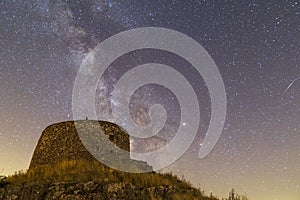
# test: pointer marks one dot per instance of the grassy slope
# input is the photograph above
(81, 170)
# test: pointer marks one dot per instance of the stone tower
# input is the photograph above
(61, 141)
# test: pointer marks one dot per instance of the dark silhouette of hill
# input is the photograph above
(62, 168)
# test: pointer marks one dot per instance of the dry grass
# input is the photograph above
(82, 170)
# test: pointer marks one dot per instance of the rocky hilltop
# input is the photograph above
(63, 168)
(98, 190)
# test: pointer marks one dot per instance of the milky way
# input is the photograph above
(255, 44)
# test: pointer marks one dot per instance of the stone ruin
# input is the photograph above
(61, 141)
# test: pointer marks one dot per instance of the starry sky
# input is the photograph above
(255, 44)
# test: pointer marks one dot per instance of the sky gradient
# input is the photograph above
(255, 44)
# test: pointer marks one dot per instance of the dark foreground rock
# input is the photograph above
(100, 189)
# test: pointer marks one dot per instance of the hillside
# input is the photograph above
(61, 168)
(90, 180)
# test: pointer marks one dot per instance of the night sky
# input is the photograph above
(255, 44)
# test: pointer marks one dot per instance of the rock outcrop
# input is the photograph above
(98, 190)
(61, 142)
